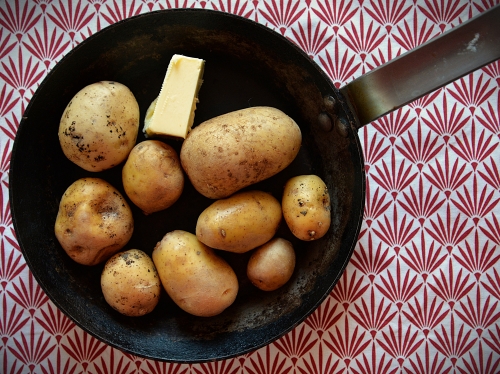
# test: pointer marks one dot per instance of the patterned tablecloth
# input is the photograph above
(421, 293)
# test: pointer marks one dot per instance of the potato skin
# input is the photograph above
(130, 283)
(198, 281)
(152, 176)
(241, 222)
(237, 149)
(271, 265)
(99, 126)
(306, 207)
(94, 221)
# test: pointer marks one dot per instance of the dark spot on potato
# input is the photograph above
(78, 248)
(304, 212)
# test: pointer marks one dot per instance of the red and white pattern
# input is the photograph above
(422, 291)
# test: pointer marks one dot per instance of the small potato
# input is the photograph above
(198, 281)
(94, 221)
(306, 207)
(130, 283)
(232, 151)
(152, 176)
(271, 265)
(239, 223)
(99, 126)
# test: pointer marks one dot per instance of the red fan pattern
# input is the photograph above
(421, 293)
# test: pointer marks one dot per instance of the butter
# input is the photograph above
(171, 114)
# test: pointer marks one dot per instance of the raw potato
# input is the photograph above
(99, 126)
(237, 149)
(271, 265)
(198, 281)
(152, 176)
(130, 283)
(241, 222)
(306, 207)
(93, 222)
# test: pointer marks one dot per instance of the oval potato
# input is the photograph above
(94, 221)
(198, 281)
(241, 222)
(152, 176)
(232, 151)
(306, 207)
(130, 283)
(99, 126)
(271, 265)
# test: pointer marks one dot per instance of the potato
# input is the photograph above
(152, 176)
(232, 151)
(198, 281)
(130, 283)
(93, 222)
(99, 126)
(239, 223)
(271, 265)
(306, 207)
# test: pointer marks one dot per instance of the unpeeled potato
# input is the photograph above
(240, 222)
(130, 283)
(152, 176)
(240, 148)
(194, 276)
(99, 126)
(94, 221)
(306, 207)
(272, 264)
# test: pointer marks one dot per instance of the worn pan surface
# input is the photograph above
(246, 65)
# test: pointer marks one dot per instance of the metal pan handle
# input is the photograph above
(455, 53)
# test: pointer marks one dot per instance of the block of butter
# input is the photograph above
(172, 113)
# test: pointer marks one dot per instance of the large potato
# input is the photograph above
(239, 223)
(99, 126)
(237, 149)
(306, 207)
(198, 281)
(271, 265)
(152, 176)
(130, 283)
(93, 222)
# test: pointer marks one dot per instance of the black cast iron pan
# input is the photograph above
(247, 64)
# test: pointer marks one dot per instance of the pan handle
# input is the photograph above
(455, 53)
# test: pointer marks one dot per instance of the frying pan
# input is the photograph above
(247, 64)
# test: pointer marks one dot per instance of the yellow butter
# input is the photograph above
(172, 113)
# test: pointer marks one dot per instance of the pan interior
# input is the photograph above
(246, 65)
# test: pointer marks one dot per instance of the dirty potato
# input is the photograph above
(235, 150)
(240, 222)
(271, 265)
(94, 221)
(130, 283)
(152, 176)
(99, 126)
(194, 276)
(306, 207)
